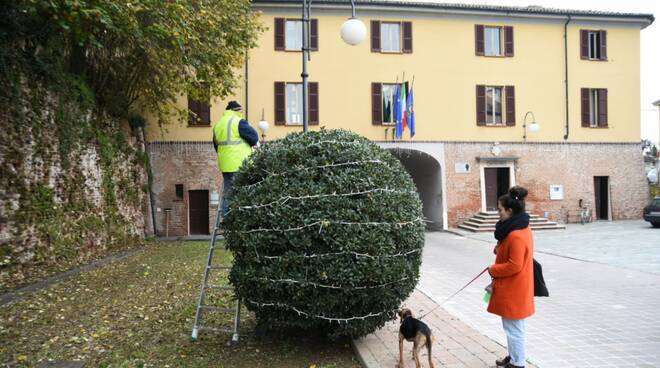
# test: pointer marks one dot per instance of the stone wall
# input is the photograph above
(192, 164)
(539, 165)
(73, 185)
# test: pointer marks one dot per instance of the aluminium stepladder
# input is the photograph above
(197, 325)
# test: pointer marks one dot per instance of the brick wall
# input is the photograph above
(540, 165)
(192, 164)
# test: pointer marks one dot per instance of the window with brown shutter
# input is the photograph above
(376, 104)
(375, 36)
(313, 103)
(593, 45)
(510, 96)
(407, 37)
(594, 107)
(481, 104)
(479, 39)
(279, 34)
(602, 107)
(199, 113)
(584, 103)
(603, 45)
(508, 41)
(280, 103)
(314, 35)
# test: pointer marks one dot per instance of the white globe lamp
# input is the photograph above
(353, 31)
(534, 127)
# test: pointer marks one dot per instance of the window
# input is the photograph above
(293, 34)
(289, 37)
(199, 113)
(294, 102)
(289, 103)
(496, 105)
(388, 91)
(593, 45)
(594, 107)
(178, 188)
(493, 105)
(493, 41)
(391, 37)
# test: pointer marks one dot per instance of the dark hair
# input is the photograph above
(514, 199)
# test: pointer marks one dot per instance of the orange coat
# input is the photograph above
(513, 276)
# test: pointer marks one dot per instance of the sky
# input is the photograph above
(650, 46)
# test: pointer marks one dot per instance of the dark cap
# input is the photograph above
(233, 105)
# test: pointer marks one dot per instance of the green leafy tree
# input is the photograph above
(138, 54)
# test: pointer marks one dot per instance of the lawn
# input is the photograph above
(138, 312)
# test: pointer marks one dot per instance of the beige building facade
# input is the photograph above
(476, 72)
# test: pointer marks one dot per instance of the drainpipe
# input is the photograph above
(566, 70)
(247, 101)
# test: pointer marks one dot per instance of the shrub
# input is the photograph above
(327, 233)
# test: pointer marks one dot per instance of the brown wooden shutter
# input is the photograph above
(279, 34)
(602, 107)
(204, 113)
(585, 107)
(407, 37)
(193, 111)
(603, 45)
(510, 95)
(479, 39)
(481, 104)
(376, 104)
(313, 103)
(584, 44)
(314, 35)
(508, 41)
(280, 103)
(375, 36)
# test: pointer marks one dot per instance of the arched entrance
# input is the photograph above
(426, 173)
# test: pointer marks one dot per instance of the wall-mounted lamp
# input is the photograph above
(534, 127)
(263, 125)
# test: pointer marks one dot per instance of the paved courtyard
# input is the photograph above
(604, 305)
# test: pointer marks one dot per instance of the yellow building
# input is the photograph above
(476, 72)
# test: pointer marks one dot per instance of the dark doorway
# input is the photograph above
(497, 183)
(198, 212)
(601, 192)
(426, 174)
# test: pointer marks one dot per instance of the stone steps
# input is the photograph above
(485, 221)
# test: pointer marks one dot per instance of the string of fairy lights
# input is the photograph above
(321, 224)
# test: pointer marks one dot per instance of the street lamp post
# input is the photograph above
(533, 127)
(353, 32)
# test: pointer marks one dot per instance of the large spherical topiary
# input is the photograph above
(327, 232)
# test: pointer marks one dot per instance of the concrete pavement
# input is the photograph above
(602, 311)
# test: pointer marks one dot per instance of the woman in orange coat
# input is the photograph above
(513, 274)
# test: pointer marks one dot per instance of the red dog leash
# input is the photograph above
(454, 294)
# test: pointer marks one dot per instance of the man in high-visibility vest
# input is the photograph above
(233, 139)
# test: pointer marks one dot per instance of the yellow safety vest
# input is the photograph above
(232, 149)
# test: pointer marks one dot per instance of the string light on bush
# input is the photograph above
(356, 254)
(302, 313)
(325, 286)
(325, 223)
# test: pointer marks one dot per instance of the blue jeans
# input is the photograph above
(227, 180)
(515, 340)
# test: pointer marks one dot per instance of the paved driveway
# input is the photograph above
(602, 312)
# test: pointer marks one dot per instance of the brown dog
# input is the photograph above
(416, 331)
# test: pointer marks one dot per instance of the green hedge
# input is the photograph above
(341, 261)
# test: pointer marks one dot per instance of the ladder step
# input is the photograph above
(213, 307)
(215, 329)
(219, 287)
(219, 267)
